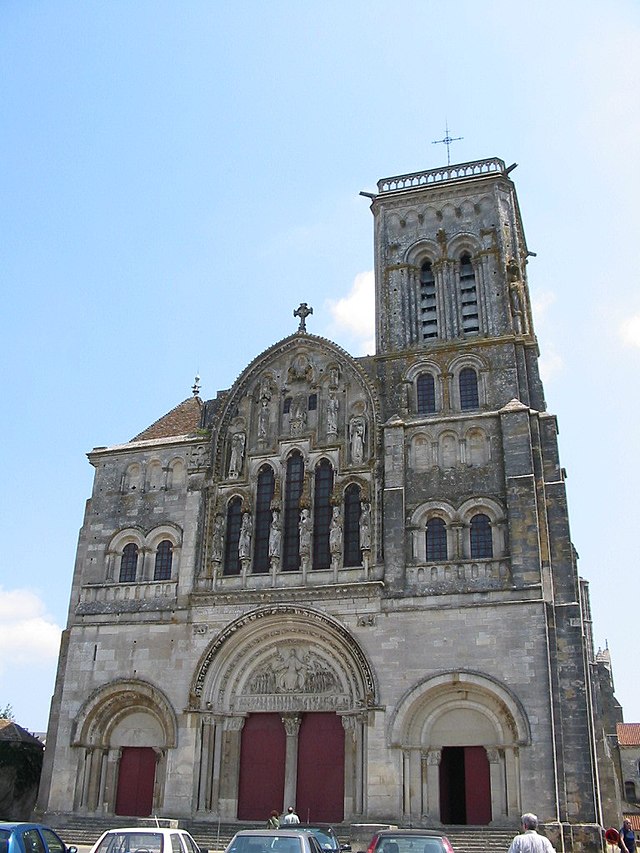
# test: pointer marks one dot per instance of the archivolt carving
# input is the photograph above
(283, 658)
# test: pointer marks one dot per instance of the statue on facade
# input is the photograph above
(335, 538)
(305, 529)
(237, 455)
(217, 540)
(365, 526)
(275, 536)
(332, 414)
(357, 427)
(244, 542)
(263, 418)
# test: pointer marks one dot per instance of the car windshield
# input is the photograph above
(409, 844)
(325, 837)
(265, 844)
(131, 842)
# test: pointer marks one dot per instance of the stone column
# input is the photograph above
(292, 728)
(406, 783)
(512, 774)
(230, 767)
(111, 779)
(433, 784)
(496, 774)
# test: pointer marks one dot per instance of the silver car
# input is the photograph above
(273, 841)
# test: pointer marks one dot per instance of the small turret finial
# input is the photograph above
(195, 388)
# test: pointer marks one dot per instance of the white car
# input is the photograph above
(143, 839)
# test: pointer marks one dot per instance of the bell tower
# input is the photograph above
(450, 267)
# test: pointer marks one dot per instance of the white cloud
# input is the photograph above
(28, 634)
(630, 331)
(551, 364)
(355, 313)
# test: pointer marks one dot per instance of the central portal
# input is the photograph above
(465, 786)
(320, 768)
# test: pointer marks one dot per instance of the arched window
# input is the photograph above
(322, 515)
(468, 296)
(436, 539)
(264, 495)
(164, 559)
(426, 394)
(630, 792)
(428, 307)
(468, 383)
(231, 556)
(129, 563)
(291, 531)
(481, 538)
(352, 508)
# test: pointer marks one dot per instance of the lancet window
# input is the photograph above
(264, 496)
(468, 296)
(468, 384)
(428, 306)
(322, 515)
(232, 538)
(129, 563)
(436, 539)
(293, 493)
(352, 509)
(481, 536)
(426, 394)
(164, 560)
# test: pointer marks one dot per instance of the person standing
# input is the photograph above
(291, 816)
(530, 841)
(274, 821)
(627, 837)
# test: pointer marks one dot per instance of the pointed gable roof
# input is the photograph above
(184, 419)
(12, 732)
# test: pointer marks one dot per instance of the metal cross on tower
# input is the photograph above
(303, 312)
(447, 141)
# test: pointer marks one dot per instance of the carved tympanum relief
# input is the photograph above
(293, 670)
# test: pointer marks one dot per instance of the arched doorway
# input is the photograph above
(124, 733)
(460, 735)
(281, 686)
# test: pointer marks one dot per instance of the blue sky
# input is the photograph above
(178, 176)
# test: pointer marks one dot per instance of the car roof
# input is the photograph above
(145, 829)
(269, 832)
(20, 824)
(428, 832)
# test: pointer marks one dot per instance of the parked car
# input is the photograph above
(409, 841)
(324, 835)
(145, 839)
(21, 837)
(277, 840)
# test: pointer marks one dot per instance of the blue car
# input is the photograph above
(18, 837)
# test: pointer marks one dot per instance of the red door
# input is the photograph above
(320, 791)
(262, 754)
(136, 777)
(465, 786)
(477, 785)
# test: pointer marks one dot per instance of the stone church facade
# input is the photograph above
(346, 584)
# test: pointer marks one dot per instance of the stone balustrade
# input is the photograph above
(445, 173)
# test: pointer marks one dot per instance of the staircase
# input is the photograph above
(84, 831)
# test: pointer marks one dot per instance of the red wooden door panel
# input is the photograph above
(320, 791)
(477, 784)
(262, 754)
(136, 777)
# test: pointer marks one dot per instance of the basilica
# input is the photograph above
(347, 584)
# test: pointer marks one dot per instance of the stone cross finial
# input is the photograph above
(303, 312)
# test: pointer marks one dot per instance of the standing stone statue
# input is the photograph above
(244, 543)
(335, 538)
(237, 455)
(356, 439)
(365, 527)
(305, 528)
(217, 539)
(263, 418)
(275, 535)
(332, 414)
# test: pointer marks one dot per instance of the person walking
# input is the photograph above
(291, 816)
(627, 837)
(274, 821)
(530, 841)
